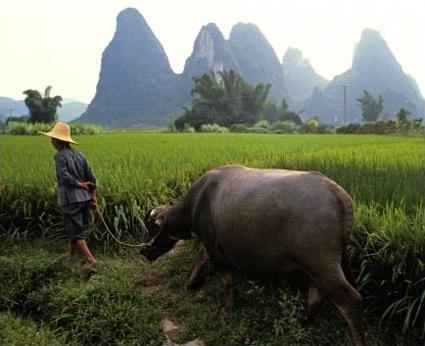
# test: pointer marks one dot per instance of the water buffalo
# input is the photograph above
(266, 221)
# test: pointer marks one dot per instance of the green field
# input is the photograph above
(385, 175)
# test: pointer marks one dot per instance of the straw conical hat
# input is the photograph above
(60, 131)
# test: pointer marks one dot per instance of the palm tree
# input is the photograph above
(42, 109)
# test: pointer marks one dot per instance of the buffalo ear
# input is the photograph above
(147, 215)
(150, 224)
(155, 217)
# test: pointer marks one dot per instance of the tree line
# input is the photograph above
(226, 99)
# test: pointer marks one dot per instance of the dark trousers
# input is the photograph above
(76, 218)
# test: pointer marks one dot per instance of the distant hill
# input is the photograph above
(11, 107)
(257, 60)
(375, 69)
(299, 77)
(138, 88)
(70, 110)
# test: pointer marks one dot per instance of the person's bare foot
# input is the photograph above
(91, 262)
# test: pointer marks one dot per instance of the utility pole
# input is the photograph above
(345, 104)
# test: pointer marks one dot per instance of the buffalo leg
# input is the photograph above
(196, 279)
(228, 281)
(346, 298)
(315, 299)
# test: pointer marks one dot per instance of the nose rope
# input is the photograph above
(112, 235)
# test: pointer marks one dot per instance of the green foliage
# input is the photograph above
(285, 127)
(311, 125)
(42, 109)
(224, 99)
(403, 116)
(15, 330)
(213, 128)
(405, 121)
(83, 305)
(384, 174)
(21, 128)
(267, 312)
(371, 107)
(281, 113)
(171, 127)
(388, 251)
(188, 129)
(241, 128)
(381, 127)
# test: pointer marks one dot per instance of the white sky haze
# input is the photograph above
(60, 43)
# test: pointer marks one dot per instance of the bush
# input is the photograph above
(284, 127)
(85, 129)
(189, 129)
(22, 128)
(255, 129)
(264, 124)
(213, 128)
(240, 128)
(379, 127)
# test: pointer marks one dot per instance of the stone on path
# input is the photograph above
(170, 329)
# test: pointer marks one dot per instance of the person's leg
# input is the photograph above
(85, 251)
(69, 252)
(80, 239)
(68, 211)
(77, 217)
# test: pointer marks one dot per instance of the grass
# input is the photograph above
(83, 305)
(123, 300)
(385, 176)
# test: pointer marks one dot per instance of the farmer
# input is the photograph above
(76, 189)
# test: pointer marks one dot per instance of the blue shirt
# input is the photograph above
(71, 167)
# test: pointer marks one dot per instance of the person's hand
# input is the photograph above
(86, 185)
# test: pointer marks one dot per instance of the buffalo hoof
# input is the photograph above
(196, 284)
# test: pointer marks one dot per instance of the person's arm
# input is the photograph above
(92, 179)
(87, 170)
(62, 170)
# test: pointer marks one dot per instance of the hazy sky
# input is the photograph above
(60, 43)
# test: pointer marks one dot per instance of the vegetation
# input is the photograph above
(224, 99)
(385, 176)
(42, 109)
(383, 127)
(23, 128)
(79, 304)
(213, 128)
(282, 113)
(371, 107)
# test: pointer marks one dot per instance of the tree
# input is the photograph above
(311, 125)
(281, 113)
(42, 109)
(403, 116)
(170, 123)
(224, 99)
(371, 106)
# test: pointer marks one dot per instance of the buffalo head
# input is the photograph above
(160, 242)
